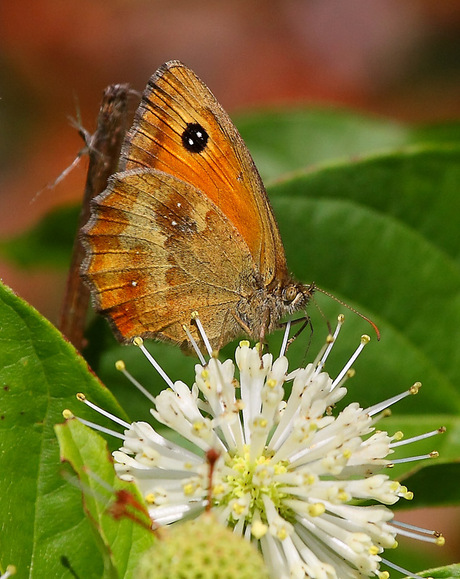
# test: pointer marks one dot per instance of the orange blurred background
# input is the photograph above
(386, 57)
(398, 59)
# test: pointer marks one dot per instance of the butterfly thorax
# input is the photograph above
(261, 312)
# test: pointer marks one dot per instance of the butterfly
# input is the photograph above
(186, 226)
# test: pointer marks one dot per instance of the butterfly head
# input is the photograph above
(261, 313)
(295, 296)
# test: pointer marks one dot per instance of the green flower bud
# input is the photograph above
(201, 549)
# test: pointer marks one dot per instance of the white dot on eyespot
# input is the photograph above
(179, 204)
(134, 283)
(173, 222)
(190, 142)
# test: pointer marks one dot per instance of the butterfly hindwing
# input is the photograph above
(160, 249)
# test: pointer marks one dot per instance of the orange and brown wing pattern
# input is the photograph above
(181, 129)
(158, 249)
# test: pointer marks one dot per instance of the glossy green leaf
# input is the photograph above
(282, 141)
(448, 572)
(122, 540)
(41, 514)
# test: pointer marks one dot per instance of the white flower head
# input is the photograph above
(290, 472)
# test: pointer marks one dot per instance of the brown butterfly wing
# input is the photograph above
(181, 129)
(158, 249)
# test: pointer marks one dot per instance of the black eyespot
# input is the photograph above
(194, 138)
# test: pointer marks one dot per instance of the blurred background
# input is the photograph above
(399, 60)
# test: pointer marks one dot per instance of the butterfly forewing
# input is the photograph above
(175, 105)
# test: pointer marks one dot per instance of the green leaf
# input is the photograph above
(41, 514)
(122, 541)
(282, 141)
(382, 235)
(286, 140)
(447, 572)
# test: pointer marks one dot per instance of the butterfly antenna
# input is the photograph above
(368, 320)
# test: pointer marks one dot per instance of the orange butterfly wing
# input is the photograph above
(186, 225)
(165, 135)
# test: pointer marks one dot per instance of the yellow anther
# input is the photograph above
(188, 489)
(440, 541)
(238, 509)
(316, 510)
(218, 489)
(280, 468)
(415, 388)
(258, 529)
(282, 534)
(120, 365)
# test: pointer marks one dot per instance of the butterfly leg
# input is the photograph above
(246, 329)
(306, 322)
(250, 332)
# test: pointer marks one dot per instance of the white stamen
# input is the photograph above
(440, 430)
(364, 341)
(10, 570)
(82, 398)
(203, 335)
(139, 342)
(100, 428)
(287, 329)
(329, 344)
(120, 366)
(195, 345)
(418, 532)
(432, 454)
(390, 401)
(405, 572)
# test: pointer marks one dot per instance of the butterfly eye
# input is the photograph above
(290, 293)
(194, 138)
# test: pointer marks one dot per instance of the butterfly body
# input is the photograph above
(186, 226)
